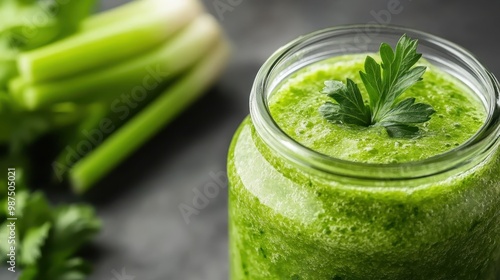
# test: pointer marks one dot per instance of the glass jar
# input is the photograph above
(298, 214)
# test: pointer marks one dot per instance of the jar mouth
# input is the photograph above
(313, 47)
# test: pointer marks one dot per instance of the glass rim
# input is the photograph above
(479, 144)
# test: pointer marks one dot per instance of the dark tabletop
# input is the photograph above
(144, 233)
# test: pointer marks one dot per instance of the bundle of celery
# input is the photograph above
(101, 92)
(145, 61)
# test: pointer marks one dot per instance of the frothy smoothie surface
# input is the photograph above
(295, 108)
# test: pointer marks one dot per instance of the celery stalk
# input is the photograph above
(75, 135)
(29, 24)
(147, 71)
(116, 15)
(143, 126)
(108, 44)
(16, 84)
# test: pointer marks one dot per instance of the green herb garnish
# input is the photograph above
(48, 238)
(384, 84)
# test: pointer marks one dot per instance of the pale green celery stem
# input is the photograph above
(150, 120)
(62, 115)
(17, 84)
(96, 113)
(146, 72)
(7, 71)
(108, 44)
(137, 7)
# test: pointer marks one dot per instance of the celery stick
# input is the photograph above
(108, 44)
(17, 84)
(147, 71)
(116, 15)
(8, 69)
(75, 135)
(64, 114)
(30, 24)
(139, 129)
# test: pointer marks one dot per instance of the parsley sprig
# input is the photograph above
(384, 83)
(48, 238)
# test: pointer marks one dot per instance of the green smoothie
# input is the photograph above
(288, 224)
(295, 105)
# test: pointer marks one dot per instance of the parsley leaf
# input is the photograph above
(396, 130)
(384, 84)
(351, 108)
(407, 111)
(48, 238)
(32, 243)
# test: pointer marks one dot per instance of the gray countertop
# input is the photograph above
(145, 235)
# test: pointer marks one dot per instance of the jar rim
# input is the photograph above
(478, 145)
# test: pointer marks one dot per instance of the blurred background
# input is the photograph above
(145, 236)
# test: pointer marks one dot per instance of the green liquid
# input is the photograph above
(287, 224)
(295, 105)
